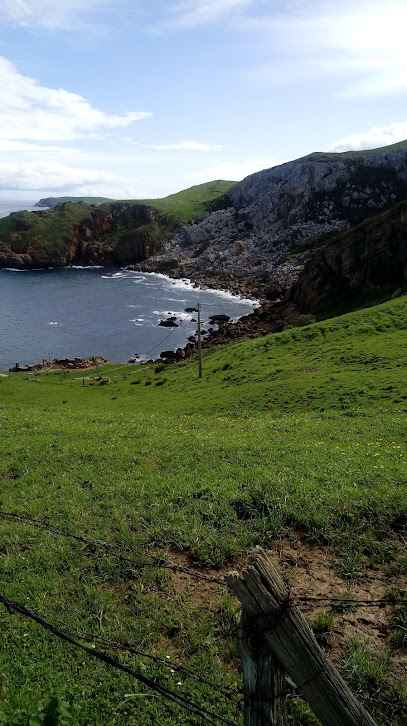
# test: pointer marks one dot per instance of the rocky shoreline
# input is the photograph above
(90, 361)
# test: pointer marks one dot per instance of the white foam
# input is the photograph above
(183, 282)
(32, 269)
(85, 267)
(52, 323)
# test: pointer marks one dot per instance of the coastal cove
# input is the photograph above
(68, 312)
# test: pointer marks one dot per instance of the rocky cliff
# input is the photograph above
(369, 259)
(257, 240)
(82, 234)
(276, 215)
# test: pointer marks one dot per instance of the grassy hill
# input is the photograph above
(295, 441)
(355, 155)
(185, 205)
(114, 233)
(190, 203)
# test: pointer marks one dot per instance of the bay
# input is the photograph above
(113, 312)
(7, 206)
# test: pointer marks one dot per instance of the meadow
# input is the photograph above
(291, 440)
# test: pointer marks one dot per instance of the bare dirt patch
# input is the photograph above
(309, 571)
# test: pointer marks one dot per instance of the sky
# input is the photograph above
(142, 98)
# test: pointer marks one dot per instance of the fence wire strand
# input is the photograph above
(116, 550)
(179, 699)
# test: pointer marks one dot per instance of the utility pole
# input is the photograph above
(199, 343)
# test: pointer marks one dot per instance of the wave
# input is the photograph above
(85, 267)
(175, 299)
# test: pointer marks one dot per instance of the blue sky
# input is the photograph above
(142, 98)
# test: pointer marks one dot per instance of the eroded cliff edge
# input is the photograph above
(82, 234)
(289, 235)
(263, 238)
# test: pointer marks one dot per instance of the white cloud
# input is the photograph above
(22, 146)
(373, 139)
(50, 177)
(363, 43)
(232, 170)
(31, 112)
(41, 175)
(51, 14)
(179, 146)
(193, 13)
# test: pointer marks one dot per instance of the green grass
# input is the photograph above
(304, 431)
(131, 232)
(372, 677)
(50, 228)
(51, 201)
(355, 155)
(193, 202)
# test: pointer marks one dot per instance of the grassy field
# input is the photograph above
(191, 203)
(296, 437)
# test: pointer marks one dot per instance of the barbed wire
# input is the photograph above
(123, 553)
(179, 699)
(228, 691)
(117, 550)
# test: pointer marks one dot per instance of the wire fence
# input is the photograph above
(159, 562)
(117, 550)
(167, 693)
(234, 696)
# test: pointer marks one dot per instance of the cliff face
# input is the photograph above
(82, 234)
(286, 210)
(259, 238)
(363, 260)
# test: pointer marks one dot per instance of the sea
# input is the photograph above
(7, 206)
(112, 312)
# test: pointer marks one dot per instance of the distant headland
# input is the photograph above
(52, 201)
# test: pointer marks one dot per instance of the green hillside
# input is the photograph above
(355, 155)
(295, 440)
(193, 202)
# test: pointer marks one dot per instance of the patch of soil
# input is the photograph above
(309, 571)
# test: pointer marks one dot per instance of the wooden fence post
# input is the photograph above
(263, 678)
(266, 599)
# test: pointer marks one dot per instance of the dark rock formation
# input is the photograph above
(81, 234)
(364, 260)
(169, 323)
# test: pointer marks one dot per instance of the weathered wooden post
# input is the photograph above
(263, 678)
(266, 599)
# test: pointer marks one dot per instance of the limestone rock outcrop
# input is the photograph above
(275, 215)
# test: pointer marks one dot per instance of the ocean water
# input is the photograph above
(7, 206)
(100, 311)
